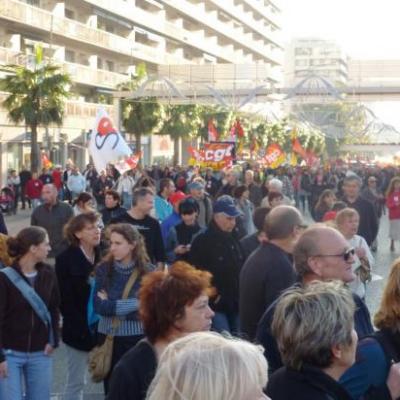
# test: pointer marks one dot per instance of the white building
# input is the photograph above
(315, 56)
(99, 42)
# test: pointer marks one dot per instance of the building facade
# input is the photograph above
(321, 57)
(100, 42)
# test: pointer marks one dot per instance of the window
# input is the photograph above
(69, 56)
(69, 14)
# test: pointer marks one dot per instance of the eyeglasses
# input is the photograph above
(346, 255)
(302, 226)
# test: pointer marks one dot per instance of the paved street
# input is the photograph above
(384, 258)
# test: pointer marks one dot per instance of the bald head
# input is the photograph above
(281, 222)
(319, 252)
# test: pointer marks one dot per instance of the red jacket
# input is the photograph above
(34, 188)
(393, 204)
(57, 179)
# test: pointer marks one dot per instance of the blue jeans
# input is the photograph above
(34, 369)
(126, 200)
(226, 323)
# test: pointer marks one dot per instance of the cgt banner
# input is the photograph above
(274, 156)
(215, 155)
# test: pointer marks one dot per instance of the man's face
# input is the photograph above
(248, 177)
(109, 201)
(225, 222)
(372, 183)
(170, 188)
(146, 203)
(197, 193)
(330, 262)
(351, 189)
(49, 194)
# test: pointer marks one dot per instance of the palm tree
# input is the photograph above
(36, 97)
(181, 121)
(140, 117)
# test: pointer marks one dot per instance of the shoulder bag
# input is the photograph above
(30, 295)
(100, 357)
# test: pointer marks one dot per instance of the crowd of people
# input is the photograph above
(133, 271)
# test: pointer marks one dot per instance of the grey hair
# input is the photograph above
(352, 178)
(309, 321)
(206, 365)
(276, 183)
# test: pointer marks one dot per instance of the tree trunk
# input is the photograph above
(176, 151)
(34, 149)
(138, 145)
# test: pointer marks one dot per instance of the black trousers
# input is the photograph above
(121, 345)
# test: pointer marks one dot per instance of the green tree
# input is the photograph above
(223, 120)
(36, 97)
(181, 122)
(140, 117)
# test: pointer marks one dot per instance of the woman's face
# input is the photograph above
(189, 219)
(41, 250)
(277, 201)
(349, 226)
(90, 235)
(330, 200)
(396, 185)
(120, 248)
(246, 195)
(198, 316)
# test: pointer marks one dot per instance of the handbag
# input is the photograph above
(30, 295)
(364, 271)
(100, 357)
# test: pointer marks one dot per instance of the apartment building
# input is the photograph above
(307, 56)
(100, 42)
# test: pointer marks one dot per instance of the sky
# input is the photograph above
(364, 28)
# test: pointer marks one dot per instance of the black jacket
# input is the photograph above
(362, 325)
(133, 374)
(221, 254)
(265, 275)
(73, 270)
(309, 383)
(20, 327)
(108, 214)
(369, 224)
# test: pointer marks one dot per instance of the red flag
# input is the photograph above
(239, 129)
(212, 131)
(134, 160)
(298, 148)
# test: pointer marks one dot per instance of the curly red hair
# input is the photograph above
(164, 295)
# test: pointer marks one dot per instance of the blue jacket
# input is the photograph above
(366, 379)
(173, 220)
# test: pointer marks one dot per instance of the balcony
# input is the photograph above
(164, 28)
(79, 73)
(265, 12)
(196, 12)
(229, 7)
(94, 77)
(43, 20)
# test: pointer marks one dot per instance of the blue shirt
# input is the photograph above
(173, 220)
(163, 208)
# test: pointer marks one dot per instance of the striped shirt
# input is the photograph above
(114, 305)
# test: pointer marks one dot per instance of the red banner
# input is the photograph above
(214, 155)
(274, 156)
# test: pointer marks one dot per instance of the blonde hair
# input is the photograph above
(388, 315)
(206, 365)
(347, 212)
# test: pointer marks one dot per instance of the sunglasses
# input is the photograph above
(346, 255)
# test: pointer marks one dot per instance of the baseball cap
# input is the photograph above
(176, 197)
(226, 205)
(196, 185)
